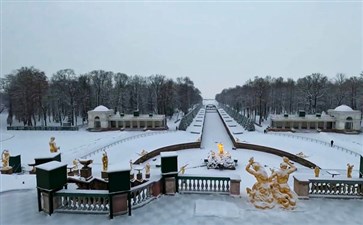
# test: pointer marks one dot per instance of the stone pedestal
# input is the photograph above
(139, 176)
(170, 186)
(7, 170)
(86, 172)
(147, 176)
(156, 189)
(46, 201)
(119, 204)
(301, 187)
(235, 186)
(132, 176)
(104, 175)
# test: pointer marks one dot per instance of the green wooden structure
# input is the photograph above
(169, 172)
(15, 162)
(361, 167)
(51, 177)
(119, 183)
(169, 163)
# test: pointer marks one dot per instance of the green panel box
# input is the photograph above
(15, 162)
(169, 162)
(361, 167)
(118, 180)
(51, 175)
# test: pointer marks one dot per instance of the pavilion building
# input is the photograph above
(341, 119)
(102, 118)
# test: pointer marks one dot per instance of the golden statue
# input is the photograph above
(75, 164)
(220, 149)
(349, 170)
(280, 189)
(316, 171)
(5, 156)
(52, 145)
(182, 169)
(143, 152)
(260, 195)
(104, 161)
(147, 168)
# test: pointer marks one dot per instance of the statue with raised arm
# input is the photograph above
(52, 145)
(260, 194)
(104, 161)
(280, 188)
(349, 170)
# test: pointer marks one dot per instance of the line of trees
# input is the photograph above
(33, 99)
(312, 93)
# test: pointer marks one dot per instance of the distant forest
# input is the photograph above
(33, 99)
(313, 93)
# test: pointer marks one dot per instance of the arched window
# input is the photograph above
(97, 122)
(349, 123)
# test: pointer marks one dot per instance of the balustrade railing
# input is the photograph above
(194, 184)
(141, 195)
(348, 188)
(87, 201)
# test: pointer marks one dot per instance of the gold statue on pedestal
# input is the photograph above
(260, 194)
(104, 161)
(349, 170)
(316, 171)
(52, 145)
(5, 156)
(220, 149)
(75, 164)
(280, 189)
(269, 191)
(182, 169)
(147, 168)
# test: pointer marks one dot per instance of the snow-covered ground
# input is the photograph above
(126, 145)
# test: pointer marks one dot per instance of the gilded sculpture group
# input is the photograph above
(271, 190)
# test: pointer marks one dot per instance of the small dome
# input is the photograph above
(343, 108)
(101, 108)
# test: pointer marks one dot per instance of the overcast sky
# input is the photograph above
(218, 45)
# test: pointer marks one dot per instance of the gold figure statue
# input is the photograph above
(5, 156)
(316, 171)
(52, 145)
(280, 189)
(147, 168)
(104, 161)
(349, 170)
(220, 149)
(182, 169)
(75, 164)
(143, 152)
(260, 194)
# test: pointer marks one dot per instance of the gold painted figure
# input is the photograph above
(316, 171)
(182, 169)
(5, 156)
(52, 145)
(75, 164)
(220, 149)
(280, 188)
(104, 161)
(260, 195)
(147, 168)
(349, 170)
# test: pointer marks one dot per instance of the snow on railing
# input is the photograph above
(105, 147)
(199, 184)
(324, 187)
(318, 141)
